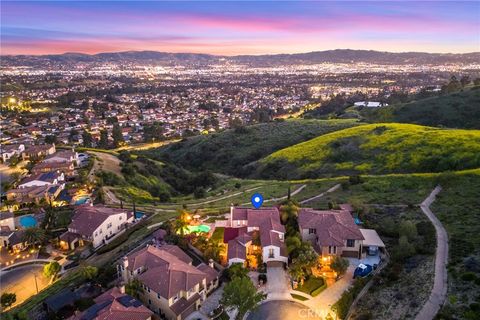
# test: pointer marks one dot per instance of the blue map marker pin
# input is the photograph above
(257, 200)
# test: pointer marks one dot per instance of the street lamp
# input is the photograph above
(35, 277)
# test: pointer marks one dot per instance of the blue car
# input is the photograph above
(362, 270)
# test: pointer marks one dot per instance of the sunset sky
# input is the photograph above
(230, 28)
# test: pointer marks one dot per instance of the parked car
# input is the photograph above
(362, 270)
(372, 250)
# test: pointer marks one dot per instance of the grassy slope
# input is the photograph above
(376, 149)
(456, 110)
(229, 150)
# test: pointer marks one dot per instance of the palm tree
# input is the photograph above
(182, 222)
(34, 235)
(214, 250)
(89, 272)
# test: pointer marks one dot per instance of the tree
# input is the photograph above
(51, 269)
(241, 294)
(236, 270)
(7, 299)
(117, 135)
(182, 222)
(87, 139)
(339, 265)
(152, 132)
(89, 272)
(214, 250)
(50, 139)
(34, 235)
(72, 135)
(464, 80)
(134, 288)
(199, 193)
(103, 143)
(403, 250)
(293, 244)
(302, 264)
(407, 229)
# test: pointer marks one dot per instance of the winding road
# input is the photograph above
(439, 290)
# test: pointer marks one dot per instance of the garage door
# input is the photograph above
(275, 264)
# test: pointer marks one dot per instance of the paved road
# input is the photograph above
(282, 310)
(335, 187)
(21, 281)
(439, 290)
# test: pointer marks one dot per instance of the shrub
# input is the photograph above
(469, 276)
(262, 277)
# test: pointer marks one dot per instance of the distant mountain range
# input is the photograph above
(165, 58)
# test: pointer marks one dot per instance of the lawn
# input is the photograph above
(311, 285)
(217, 235)
(298, 297)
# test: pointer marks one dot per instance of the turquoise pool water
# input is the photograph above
(139, 214)
(28, 221)
(82, 200)
(200, 228)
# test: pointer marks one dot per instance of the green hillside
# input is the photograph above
(456, 110)
(230, 150)
(375, 149)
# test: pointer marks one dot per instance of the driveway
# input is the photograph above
(282, 310)
(323, 302)
(278, 286)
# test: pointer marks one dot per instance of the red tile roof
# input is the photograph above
(166, 274)
(115, 305)
(333, 227)
(88, 218)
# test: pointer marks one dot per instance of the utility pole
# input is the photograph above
(35, 277)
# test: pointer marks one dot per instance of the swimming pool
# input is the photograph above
(82, 200)
(200, 228)
(28, 221)
(139, 214)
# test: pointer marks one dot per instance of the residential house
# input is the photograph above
(94, 224)
(43, 179)
(34, 194)
(172, 287)
(10, 150)
(331, 232)
(246, 224)
(38, 152)
(115, 304)
(63, 156)
(65, 167)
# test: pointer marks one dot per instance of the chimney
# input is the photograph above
(122, 289)
(231, 215)
(210, 263)
(125, 262)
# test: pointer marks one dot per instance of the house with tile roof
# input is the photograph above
(95, 224)
(34, 194)
(65, 167)
(70, 156)
(171, 286)
(245, 225)
(331, 232)
(38, 151)
(43, 179)
(115, 304)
